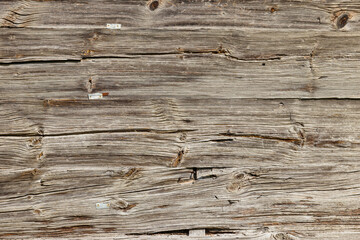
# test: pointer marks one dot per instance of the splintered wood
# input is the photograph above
(174, 119)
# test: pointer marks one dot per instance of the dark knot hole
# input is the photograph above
(342, 21)
(154, 5)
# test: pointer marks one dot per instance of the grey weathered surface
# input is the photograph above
(221, 119)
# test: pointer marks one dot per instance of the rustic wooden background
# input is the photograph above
(225, 119)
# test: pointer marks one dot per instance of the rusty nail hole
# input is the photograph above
(272, 10)
(154, 5)
(342, 21)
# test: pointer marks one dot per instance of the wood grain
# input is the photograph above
(317, 15)
(172, 76)
(62, 201)
(219, 119)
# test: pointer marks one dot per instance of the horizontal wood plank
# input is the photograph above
(26, 45)
(172, 76)
(294, 120)
(290, 200)
(218, 119)
(289, 15)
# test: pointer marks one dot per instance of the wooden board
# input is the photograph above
(172, 76)
(219, 120)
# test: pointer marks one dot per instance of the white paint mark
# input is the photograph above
(95, 95)
(113, 26)
(102, 205)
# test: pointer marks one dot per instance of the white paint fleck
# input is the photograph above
(113, 26)
(102, 205)
(95, 95)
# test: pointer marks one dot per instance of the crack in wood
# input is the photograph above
(134, 130)
(172, 232)
(179, 158)
(216, 51)
(186, 232)
(289, 140)
(39, 62)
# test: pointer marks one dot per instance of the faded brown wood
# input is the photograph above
(171, 14)
(221, 120)
(174, 76)
(236, 44)
(227, 198)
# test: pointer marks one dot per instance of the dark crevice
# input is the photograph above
(208, 231)
(10, 27)
(217, 51)
(104, 57)
(222, 140)
(97, 132)
(15, 24)
(207, 168)
(291, 140)
(233, 201)
(212, 176)
(39, 61)
(12, 22)
(23, 14)
(211, 231)
(253, 59)
(173, 232)
(194, 174)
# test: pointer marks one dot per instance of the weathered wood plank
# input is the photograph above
(294, 200)
(22, 45)
(289, 15)
(172, 76)
(214, 119)
(151, 149)
(182, 132)
(310, 121)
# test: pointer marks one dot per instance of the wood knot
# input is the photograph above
(281, 236)
(273, 9)
(153, 5)
(241, 180)
(342, 20)
(34, 142)
(121, 204)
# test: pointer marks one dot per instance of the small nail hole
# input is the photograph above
(342, 21)
(263, 64)
(154, 5)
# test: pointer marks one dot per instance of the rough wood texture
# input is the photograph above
(220, 120)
